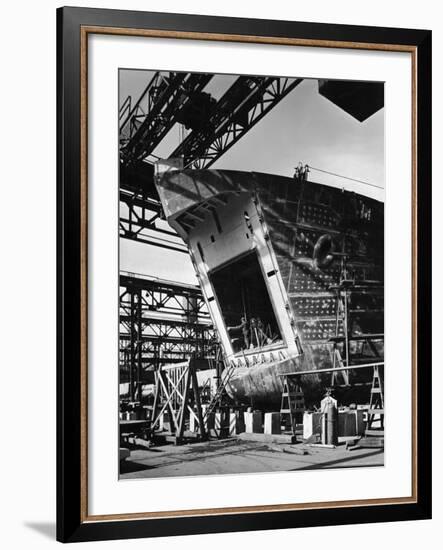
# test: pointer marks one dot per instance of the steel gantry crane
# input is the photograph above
(170, 98)
(246, 102)
(160, 105)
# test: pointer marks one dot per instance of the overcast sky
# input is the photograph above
(304, 127)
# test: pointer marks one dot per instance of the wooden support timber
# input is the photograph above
(176, 392)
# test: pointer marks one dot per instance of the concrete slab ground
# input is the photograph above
(231, 456)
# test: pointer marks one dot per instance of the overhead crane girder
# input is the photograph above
(165, 97)
(179, 97)
(246, 102)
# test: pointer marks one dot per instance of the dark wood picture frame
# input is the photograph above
(73, 26)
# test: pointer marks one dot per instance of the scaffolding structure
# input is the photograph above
(161, 322)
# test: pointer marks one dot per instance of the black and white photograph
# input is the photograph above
(214, 216)
(251, 257)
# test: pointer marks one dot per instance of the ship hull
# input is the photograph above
(261, 386)
(304, 258)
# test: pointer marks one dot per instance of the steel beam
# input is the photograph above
(141, 219)
(156, 111)
(168, 98)
(244, 104)
(160, 322)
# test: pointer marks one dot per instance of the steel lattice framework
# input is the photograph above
(172, 97)
(141, 219)
(156, 111)
(160, 322)
(244, 104)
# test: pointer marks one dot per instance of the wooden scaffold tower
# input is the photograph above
(177, 393)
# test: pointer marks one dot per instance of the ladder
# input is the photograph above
(341, 319)
(292, 402)
(338, 361)
(376, 407)
(374, 437)
(220, 390)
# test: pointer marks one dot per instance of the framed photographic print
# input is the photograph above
(244, 303)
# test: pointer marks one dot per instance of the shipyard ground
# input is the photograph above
(232, 456)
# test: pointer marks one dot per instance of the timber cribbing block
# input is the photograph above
(254, 422)
(272, 423)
